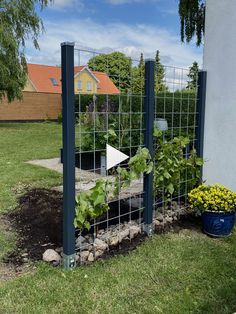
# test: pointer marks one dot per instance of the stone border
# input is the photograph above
(89, 249)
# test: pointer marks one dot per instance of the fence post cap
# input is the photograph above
(67, 43)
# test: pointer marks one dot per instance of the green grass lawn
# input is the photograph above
(174, 273)
(20, 142)
(180, 273)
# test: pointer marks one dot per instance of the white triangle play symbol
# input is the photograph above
(114, 156)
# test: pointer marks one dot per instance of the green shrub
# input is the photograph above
(122, 116)
(59, 118)
(117, 121)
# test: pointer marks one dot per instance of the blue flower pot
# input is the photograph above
(218, 224)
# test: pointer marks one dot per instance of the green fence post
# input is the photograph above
(68, 123)
(149, 104)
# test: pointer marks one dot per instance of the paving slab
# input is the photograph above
(85, 180)
(56, 165)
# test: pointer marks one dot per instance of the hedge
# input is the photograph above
(179, 109)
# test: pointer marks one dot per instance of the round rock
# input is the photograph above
(51, 255)
(100, 245)
(90, 257)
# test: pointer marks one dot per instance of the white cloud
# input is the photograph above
(63, 4)
(130, 39)
(79, 4)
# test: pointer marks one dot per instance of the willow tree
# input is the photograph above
(192, 20)
(19, 22)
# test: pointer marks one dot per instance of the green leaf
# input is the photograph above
(112, 133)
(166, 174)
(199, 162)
(149, 168)
(99, 200)
(170, 188)
(87, 225)
(157, 132)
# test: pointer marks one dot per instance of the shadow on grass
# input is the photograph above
(223, 300)
(10, 125)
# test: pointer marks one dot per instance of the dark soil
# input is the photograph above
(38, 225)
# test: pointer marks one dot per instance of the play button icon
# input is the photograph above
(114, 157)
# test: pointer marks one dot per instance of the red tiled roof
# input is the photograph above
(105, 84)
(40, 76)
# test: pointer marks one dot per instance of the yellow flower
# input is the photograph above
(214, 197)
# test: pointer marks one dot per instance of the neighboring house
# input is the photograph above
(47, 79)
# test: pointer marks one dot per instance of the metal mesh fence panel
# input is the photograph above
(109, 111)
(175, 113)
(112, 96)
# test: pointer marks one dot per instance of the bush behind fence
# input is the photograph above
(112, 114)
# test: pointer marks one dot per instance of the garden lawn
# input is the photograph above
(174, 273)
(20, 142)
(184, 272)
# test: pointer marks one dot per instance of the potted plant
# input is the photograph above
(217, 205)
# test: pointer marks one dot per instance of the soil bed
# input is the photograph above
(38, 225)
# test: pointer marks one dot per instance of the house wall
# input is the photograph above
(220, 118)
(85, 76)
(29, 86)
(34, 106)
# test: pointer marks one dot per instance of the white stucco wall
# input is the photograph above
(220, 118)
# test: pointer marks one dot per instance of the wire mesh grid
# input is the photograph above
(109, 102)
(109, 110)
(176, 110)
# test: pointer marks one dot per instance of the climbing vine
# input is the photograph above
(172, 168)
(93, 203)
(139, 164)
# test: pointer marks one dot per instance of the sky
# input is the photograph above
(129, 26)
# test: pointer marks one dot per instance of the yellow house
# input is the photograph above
(29, 87)
(86, 82)
(47, 79)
